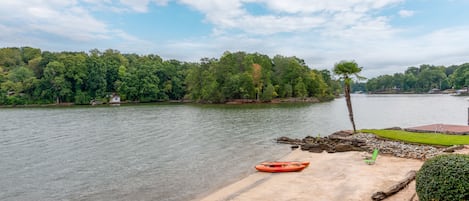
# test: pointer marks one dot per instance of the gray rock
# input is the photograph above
(347, 141)
(287, 140)
(346, 147)
(343, 133)
(315, 148)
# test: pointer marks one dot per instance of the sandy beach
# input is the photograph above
(330, 177)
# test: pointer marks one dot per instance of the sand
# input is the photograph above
(330, 177)
(338, 176)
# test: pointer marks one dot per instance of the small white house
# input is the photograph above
(115, 99)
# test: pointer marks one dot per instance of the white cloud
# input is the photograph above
(292, 16)
(440, 47)
(406, 13)
(64, 20)
(314, 6)
(321, 32)
(325, 32)
(142, 5)
(136, 5)
(377, 54)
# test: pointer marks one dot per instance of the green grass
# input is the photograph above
(421, 138)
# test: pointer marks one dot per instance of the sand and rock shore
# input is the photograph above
(343, 141)
(337, 170)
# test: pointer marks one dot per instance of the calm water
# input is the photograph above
(176, 152)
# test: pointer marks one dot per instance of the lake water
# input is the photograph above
(175, 152)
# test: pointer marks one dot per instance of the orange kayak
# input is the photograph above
(280, 163)
(282, 166)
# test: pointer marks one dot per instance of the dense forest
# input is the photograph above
(31, 76)
(423, 79)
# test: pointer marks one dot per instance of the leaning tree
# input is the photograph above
(347, 70)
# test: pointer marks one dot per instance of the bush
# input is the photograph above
(444, 177)
(82, 98)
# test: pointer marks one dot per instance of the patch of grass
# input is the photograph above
(421, 138)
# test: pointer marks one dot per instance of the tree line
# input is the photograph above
(32, 76)
(420, 79)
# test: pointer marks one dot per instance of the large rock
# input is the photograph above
(346, 147)
(287, 140)
(347, 141)
(315, 148)
(358, 142)
(341, 134)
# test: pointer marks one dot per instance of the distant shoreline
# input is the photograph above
(229, 102)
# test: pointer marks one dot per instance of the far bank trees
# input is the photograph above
(421, 79)
(31, 76)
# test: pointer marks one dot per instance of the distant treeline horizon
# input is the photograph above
(422, 79)
(32, 76)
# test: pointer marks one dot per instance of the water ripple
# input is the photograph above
(174, 152)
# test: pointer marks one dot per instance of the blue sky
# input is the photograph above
(382, 36)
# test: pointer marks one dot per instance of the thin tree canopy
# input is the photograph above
(347, 70)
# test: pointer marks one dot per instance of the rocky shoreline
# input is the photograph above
(343, 141)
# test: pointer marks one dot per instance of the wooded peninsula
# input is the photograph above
(32, 76)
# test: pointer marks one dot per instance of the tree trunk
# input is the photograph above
(349, 106)
(380, 195)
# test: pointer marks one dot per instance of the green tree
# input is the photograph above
(333, 86)
(54, 80)
(268, 93)
(29, 53)
(460, 77)
(194, 83)
(410, 82)
(431, 77)
(112, 60)
(76, 73)
(246, 86)
(210, 90)
(141, 84)
(300, 88)
(171, 74)
(176, 73)
(10, 57)
(96, 81)
(19, 84)
(46, 58)
(286, 74)
(34, 65)
(288, 91)
(347, 70)
(3, 93)
(319, 87)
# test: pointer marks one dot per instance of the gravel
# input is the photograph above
(398, 149)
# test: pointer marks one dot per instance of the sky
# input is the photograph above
(382, 36)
